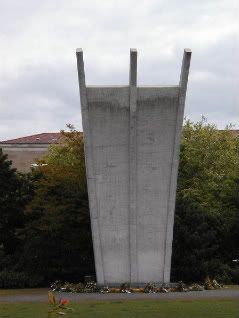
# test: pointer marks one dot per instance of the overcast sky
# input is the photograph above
(38, 76)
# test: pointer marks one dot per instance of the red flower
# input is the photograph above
(64, 301)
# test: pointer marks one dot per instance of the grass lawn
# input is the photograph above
(132, 309)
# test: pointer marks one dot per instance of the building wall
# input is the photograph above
(155, 127)
(23, 155)
(110, 157)
(156, 124)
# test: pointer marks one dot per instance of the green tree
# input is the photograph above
(15, 192)
(207, 210)
(59, 241)
(208, 166)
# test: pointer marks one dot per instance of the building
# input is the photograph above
(25, 151)
(236, 132)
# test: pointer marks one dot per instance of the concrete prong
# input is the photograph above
(185, 69)
(133, 68)
(97, 245)
(80, 67)
(133, 166)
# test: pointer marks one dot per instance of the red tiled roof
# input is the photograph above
(44, 138)
(49, 138)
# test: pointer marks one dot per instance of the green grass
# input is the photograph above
(130, 309)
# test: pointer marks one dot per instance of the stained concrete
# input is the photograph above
(132, 139)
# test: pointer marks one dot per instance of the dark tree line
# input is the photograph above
(44, 215)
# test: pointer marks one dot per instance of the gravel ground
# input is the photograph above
(37, 295)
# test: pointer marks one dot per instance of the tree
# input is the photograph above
(208, 166)
(207, 210)
(45, 225)
(15, 192)
(59, 241)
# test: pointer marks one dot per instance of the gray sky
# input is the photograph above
(38, 77)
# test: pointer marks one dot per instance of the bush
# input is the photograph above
(220, 271)
(11, 279)
(235, 275)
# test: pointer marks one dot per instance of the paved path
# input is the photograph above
(41, 295)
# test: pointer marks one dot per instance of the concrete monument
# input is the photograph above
(132, 141)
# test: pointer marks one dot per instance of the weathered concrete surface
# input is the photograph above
(132, 137)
